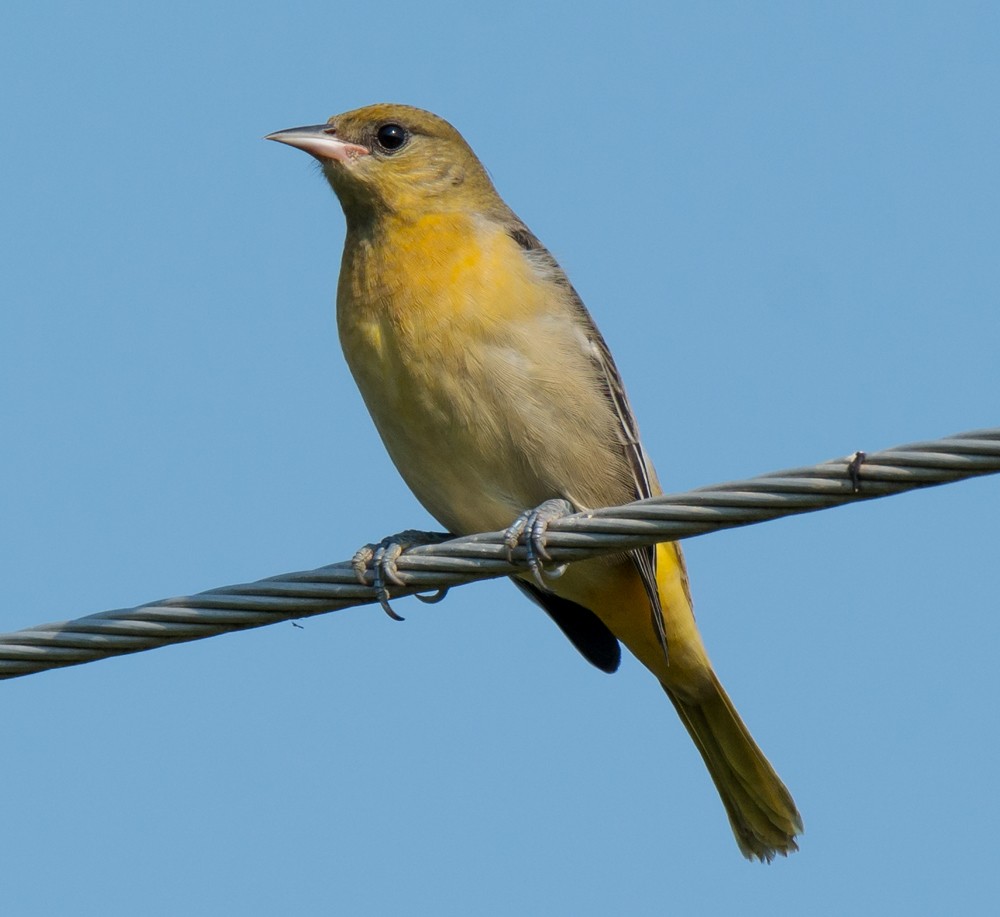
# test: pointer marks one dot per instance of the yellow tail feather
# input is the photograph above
(761, 811)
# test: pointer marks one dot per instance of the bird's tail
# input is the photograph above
(761, 811)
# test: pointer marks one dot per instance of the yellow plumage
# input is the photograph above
(494, 392)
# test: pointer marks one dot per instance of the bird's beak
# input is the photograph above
(320, 141)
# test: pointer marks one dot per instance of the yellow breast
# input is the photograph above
(475, 372)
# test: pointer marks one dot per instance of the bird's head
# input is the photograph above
(395, 159)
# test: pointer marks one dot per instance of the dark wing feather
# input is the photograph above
(581, 626)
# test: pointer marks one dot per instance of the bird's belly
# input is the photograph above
(476, 432)
(461, 449)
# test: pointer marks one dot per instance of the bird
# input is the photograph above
(502, 408)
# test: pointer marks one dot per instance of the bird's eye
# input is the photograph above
(391, 137)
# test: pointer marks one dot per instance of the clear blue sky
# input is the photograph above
(786, 219)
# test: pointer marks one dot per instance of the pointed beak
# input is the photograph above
(320, 141)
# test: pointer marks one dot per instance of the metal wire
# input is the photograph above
(433, 567)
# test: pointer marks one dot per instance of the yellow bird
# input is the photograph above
(502, 408)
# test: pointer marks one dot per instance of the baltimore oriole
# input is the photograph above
(495, 394)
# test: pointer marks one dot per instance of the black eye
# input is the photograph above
(391, 137)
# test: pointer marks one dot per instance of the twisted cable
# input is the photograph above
(461, 560)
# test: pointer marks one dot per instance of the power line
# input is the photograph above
(461, 560)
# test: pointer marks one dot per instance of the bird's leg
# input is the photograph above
(531, 527)
(381, 558)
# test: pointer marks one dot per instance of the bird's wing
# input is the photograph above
(614, 390)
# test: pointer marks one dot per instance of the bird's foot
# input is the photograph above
(381, 558)
(530, 527)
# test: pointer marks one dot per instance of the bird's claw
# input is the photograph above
(382, 557)
(530, 528)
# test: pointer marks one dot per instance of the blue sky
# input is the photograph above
(784, 218)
